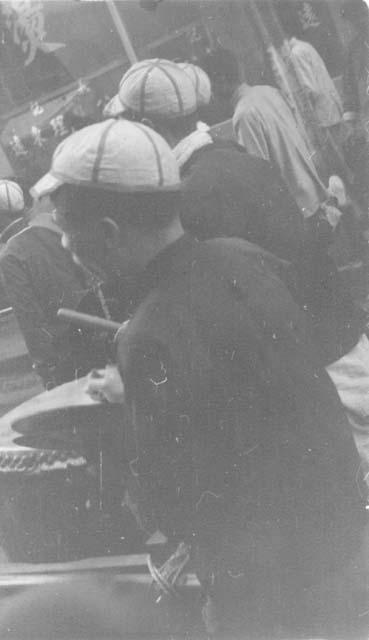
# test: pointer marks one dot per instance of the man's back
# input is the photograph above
(230, 193)
(265, 126)
(315, 81)
(241, 440)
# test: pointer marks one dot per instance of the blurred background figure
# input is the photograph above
(13, 218)
(356, 98)
(265, 126)
(39, 276)
(303, 79)
(12, 207)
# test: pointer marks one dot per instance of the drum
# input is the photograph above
(60, 486)
(39, 501)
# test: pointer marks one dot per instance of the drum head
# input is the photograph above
(68, 420)
(58, 441)
(65, 418)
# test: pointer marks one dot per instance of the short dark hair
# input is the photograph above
(287, 12)
(144, 209)
(180, 126)
(220, 64)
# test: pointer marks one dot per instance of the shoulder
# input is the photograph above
(301, 47)
(33, 247)
(253, 102)
(20, 238)
(231, 253)
(244, 99)
(16, 246)
(22, 243)
(305, 52)
(223, 158)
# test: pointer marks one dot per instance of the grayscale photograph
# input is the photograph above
(184, 320)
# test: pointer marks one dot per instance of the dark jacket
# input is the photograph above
(39, 277)
(240, 441)
(228, 193)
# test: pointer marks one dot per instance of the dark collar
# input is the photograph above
(173, 258)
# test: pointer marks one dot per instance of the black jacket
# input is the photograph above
(236, 429)
(228, 193)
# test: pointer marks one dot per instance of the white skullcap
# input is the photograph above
(117, 155)
(155, 88)
(11, 196)
(201, 81)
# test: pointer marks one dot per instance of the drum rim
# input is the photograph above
(37, 461)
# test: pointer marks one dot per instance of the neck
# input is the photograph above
(173, 138)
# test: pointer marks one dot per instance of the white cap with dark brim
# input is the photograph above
(157, 87)
(116, 155)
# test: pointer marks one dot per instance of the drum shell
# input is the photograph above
(62, 478)
(43, 506)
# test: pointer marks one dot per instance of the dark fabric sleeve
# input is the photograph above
(162, 465)
(29, 314)
(275, 193)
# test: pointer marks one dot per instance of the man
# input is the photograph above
(227, 191)
(238, 441)
(303, 79)
(230, 193)
(265, 126)
(39, 276)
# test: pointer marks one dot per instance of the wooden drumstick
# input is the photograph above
(85, 319)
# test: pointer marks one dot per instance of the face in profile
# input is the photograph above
(104, 248)
(81, 236)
